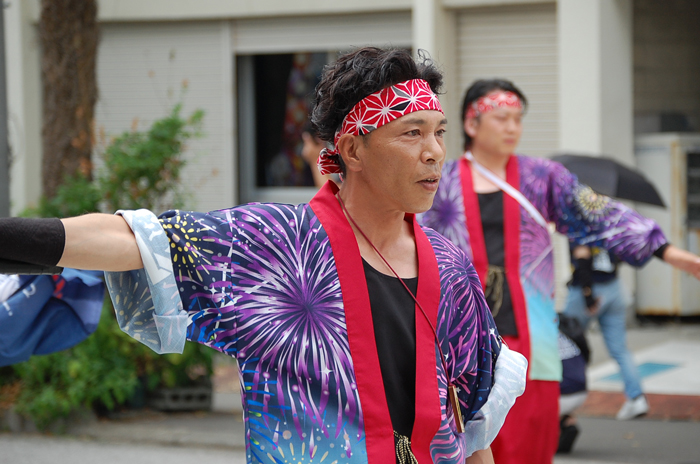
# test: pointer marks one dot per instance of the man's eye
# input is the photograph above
(441, 132)
(414, 132)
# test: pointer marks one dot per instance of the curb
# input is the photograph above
(661, 407)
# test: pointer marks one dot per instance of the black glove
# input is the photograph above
(583, 275)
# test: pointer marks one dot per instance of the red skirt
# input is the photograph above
(530, 434)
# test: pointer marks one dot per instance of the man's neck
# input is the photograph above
(494, 162)
(385, 228)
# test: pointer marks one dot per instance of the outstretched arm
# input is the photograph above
(683, 260)
(590, 219)
(94, 241)
(100, 242)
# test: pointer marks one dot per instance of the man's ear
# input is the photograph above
(348, 146)
(470, 126)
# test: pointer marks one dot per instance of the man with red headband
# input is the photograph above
(495, 206)
(361, 337)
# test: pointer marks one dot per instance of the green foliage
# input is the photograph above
(77, 195)
(142, 170)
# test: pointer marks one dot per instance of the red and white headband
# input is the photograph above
(375, 110)
(498, 99)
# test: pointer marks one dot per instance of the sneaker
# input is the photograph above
(633, 408)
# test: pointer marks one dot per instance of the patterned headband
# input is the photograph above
(498, 99)
(375, 110)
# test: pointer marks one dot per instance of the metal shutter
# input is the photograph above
(518, 43)
(140, 71)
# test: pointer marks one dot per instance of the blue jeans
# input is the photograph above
(611, 317)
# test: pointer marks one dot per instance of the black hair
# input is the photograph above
(483, 87)
(360, 73)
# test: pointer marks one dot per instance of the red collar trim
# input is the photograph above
(511, 237)
(379, 436)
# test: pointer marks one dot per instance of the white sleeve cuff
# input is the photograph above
(147, 301)
(509, 383)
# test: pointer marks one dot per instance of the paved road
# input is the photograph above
(639, 442)
(26, 449)
(603, 441)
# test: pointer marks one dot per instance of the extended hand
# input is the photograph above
(683, 260)
(593, 309)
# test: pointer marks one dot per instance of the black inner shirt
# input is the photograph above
(491, 207)
(393, 315)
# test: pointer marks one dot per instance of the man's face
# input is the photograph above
(496, 132)
(402, 160)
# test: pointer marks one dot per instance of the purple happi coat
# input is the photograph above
(281, 288)
(576, 211)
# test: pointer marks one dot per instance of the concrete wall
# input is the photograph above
(188, 10)
(667, 58)
(22, 52)
(141, 70)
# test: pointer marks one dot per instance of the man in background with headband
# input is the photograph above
(360, 336)
(496, 206)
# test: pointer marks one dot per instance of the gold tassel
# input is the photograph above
(404, 454)
(494, 285)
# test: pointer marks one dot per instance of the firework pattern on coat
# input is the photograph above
(259, 283)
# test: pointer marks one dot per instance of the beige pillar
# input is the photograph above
(434, 30)
(24, 104)
(595, 82)
(595, 77)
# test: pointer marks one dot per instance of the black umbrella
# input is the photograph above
(609, 177)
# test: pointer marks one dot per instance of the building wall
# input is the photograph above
(667, 58)
(143, 69)
(311, 33)
(23, 67)
(189, 10)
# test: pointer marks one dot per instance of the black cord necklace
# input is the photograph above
(451, 388)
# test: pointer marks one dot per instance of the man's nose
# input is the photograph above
(512, 125)
(434, 150)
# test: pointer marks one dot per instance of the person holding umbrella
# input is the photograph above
(595, 290)
(496, 206)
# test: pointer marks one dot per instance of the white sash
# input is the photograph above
(507, 188)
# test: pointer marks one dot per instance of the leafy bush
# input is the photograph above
(75, 196)
(141, 170)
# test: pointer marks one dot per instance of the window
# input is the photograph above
(275, 93)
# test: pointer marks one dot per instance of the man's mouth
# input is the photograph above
(430, 183)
